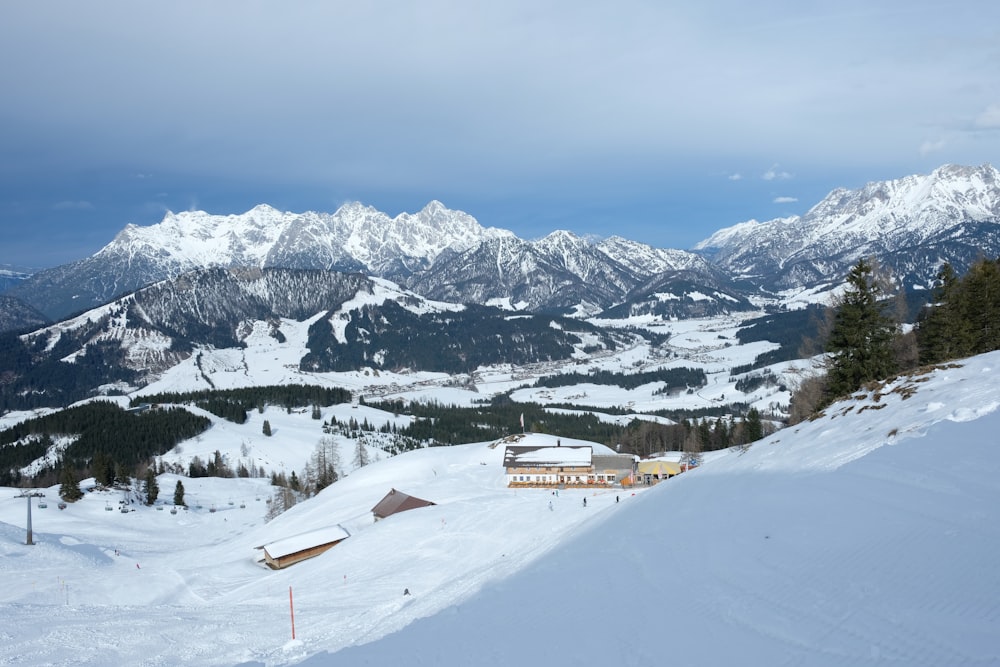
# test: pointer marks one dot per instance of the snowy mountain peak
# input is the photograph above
(954, 206)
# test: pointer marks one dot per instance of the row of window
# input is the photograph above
(546, 479)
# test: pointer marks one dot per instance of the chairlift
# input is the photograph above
(173, 510)
(124, 509)
(243, 505)
(212, 509)
(107, 506)
(42, 504)
(159, 508)
(61, 506)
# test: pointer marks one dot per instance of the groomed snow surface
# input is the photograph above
(869, 536)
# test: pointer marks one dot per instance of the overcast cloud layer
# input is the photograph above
(657, 121)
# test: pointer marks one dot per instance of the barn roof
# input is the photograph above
(395, 502)
(301, 542)
(516, 456)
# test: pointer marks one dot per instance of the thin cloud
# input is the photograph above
(932, 146)
(775, 174)
(785, 200)
(989, 119)
(736, 177)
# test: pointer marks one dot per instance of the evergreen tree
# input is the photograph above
(266, 428)
(981, 310)
(151, 487)
(179, 493)
(196, 468)
(103, 469)
(69, 486)
(122, 476)
(753, 427)
(860, 342)
(942, 332)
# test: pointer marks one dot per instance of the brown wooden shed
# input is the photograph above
(291, 550)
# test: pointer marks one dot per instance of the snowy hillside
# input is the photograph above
(867, 535)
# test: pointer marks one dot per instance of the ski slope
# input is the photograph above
(867, 536)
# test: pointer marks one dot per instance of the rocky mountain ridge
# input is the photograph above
(911, 225)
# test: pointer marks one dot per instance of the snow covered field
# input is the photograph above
(867, 536)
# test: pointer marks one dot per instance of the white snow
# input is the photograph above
(867, 536)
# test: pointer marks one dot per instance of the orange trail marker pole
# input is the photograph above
(291, 610)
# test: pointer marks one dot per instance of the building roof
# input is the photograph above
(395, 502)
(301, 542)
(550, 457)
(613, 462)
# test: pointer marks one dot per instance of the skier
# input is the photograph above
(406, 591)
(584, 502)
(550, 505)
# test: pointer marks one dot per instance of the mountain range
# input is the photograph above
(911, 225)
(436, 291)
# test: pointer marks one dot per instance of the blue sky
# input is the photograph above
(659, 121)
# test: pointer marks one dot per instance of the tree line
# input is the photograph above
(234, 404)
(672, 378)
(98, 429)
(865, 341)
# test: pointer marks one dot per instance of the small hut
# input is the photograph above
(395, 502)
(291, 550)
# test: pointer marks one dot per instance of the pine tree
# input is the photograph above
(753, 427)
(942, 332)
(69, 486)
(179, 493)
(860, 342)
(981, 288)
(151, 487)
(266, 428)
(103, 469)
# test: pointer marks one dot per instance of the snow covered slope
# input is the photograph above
(865, 536)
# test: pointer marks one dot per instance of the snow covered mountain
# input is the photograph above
(322, 321)
(911, 225)
(441, 253)
(355, 238)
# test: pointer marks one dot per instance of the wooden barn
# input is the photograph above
(395, 502)
(291, 550)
